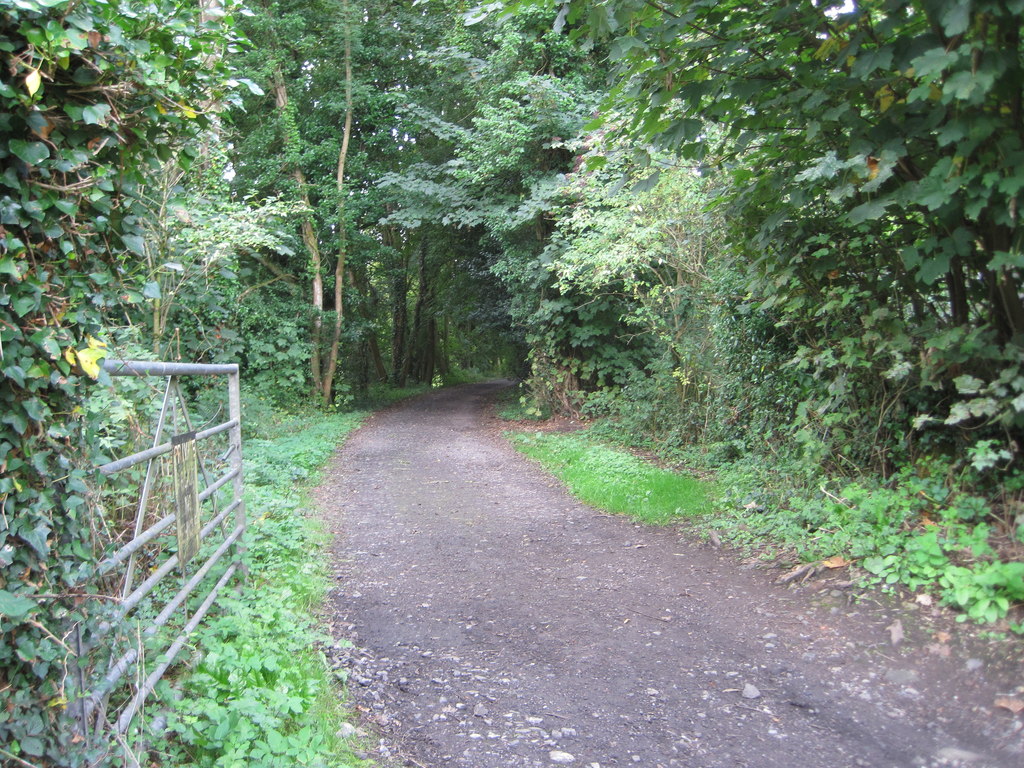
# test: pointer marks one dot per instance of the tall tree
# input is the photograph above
(301, 51)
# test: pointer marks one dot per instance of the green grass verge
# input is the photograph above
(615, 480)
(261, 692)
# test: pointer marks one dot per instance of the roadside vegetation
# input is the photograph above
(261, 691)
(886, 530)
(809, 246)
(615, 480)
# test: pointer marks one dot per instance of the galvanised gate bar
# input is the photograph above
(175, 439)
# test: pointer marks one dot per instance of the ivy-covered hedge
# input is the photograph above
(93, 94)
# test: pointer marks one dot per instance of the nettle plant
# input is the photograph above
(95, 96)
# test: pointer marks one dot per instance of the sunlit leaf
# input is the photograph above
(33, 81)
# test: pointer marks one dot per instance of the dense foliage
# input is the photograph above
(868, 163)
(813, 208)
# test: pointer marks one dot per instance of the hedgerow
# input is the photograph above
(94, 95)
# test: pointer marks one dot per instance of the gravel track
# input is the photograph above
(499, 623)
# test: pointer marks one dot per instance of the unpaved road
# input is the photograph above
(498, 623)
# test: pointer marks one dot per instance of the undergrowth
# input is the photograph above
(613, 479)
(261, 693)
(517, 404)
(918, 529)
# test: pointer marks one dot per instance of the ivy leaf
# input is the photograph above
(36, 538)
(22, 305)
(151, 290)
(96, 114)
(14, 606)
(89, 359)
(15, 374)
(134, 243)
(9, 268)
(29, 152)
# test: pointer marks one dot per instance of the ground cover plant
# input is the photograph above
(517, 404)
(917, 530)
(260, 692)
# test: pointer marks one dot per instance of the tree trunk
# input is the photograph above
(399, 315)
(339, 269)
(957, 291)
(430, 352)
(309, 240)
(412, 360)
(366, 310)
(443, 367)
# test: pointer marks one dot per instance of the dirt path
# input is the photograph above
(499, 623)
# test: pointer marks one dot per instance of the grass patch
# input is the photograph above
(261, 692)
(615, 480)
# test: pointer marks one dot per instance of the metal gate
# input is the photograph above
(186, 534)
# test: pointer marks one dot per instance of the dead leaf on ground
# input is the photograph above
(924, 600)
(1007, 702)
(835, 562)
(943, 637)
